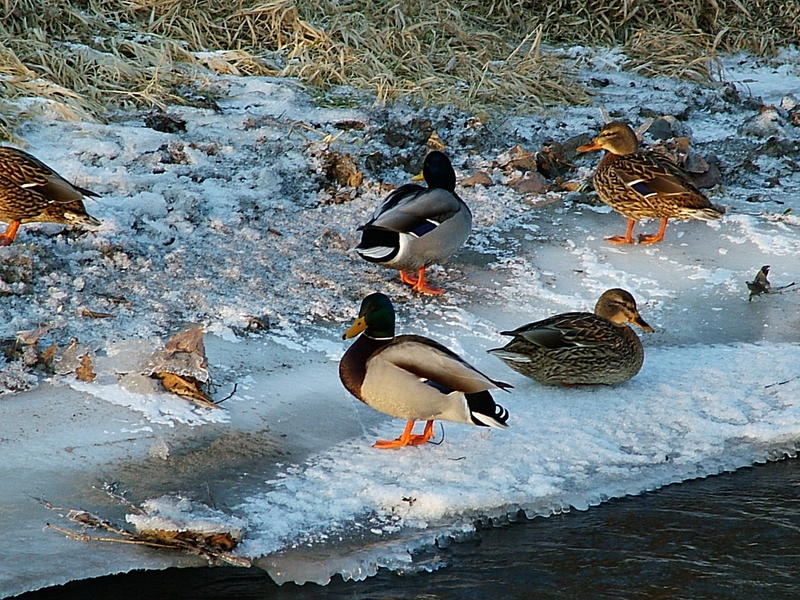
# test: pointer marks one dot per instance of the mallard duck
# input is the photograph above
(413, 377)
(416, 226)
(642, 184)
(31, 191)
(579, 348)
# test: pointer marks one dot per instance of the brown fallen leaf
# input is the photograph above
(187, 387)
(31, 336)
(569, 186)
(182, 366)
(341, 169)
(218, 542)
(48, 354)
(85, 372)
(477, 178)
(551, 160)
(516, 158)
(95, 315)
(189, 340)
(348, 124)
(435, 142)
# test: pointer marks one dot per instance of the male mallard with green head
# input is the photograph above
(579, 348)
(30, 191)
(417, 226)
(640, 184)
(413, 377)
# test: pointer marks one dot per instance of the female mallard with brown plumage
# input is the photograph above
(413, 377)
(579, 348)
(643, 185)
(30, 191)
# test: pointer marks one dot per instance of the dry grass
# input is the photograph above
(477, 53)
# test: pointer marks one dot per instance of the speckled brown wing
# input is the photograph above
(27, 205)
(20, 204)
(641, 186)
(29, 172)
(568, 330)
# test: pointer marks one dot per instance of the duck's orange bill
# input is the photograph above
(356, 328)
(418, 177)
(642, 323)
(593, 145)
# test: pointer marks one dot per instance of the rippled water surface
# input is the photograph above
(731, 536)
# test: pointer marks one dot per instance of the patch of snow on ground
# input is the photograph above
(234, 225)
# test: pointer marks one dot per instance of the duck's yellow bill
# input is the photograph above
(356, 328)
(418, 177)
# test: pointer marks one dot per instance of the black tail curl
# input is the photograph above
(484, 411)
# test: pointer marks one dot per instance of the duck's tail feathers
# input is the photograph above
(485, 412)
(710, 213)
(86, 192)
(74, 218)
(378, 245)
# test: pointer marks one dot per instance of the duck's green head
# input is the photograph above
(438, 172)
(375, 318)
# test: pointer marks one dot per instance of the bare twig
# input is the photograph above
(229, 396)
(782, 382)
(110, 488)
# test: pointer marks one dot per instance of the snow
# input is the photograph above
(232, 223)
(176, 513)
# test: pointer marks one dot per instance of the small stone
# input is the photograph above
(477, 178)
(765, 124)
(159, 449)
(530, 183)
(165, 122)
(789, 103)
(661, 129)
(516, 158)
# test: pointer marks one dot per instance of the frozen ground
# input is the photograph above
(234, 221)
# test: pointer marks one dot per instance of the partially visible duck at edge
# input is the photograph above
(30, 191)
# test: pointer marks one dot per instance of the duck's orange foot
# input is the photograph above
(655, 237)
(650, 239)
(407, 438)
(624, 239)
(10, 233)
(619, 239)
(386, 444)
(409, 279)
(420, 284)
(426, 289)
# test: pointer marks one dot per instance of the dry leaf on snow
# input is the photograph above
(85, 372)
(182, 366)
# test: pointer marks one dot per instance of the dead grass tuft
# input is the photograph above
(474, 53)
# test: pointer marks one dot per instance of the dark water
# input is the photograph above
(731, 536)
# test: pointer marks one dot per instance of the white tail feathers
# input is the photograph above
(376, 252)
